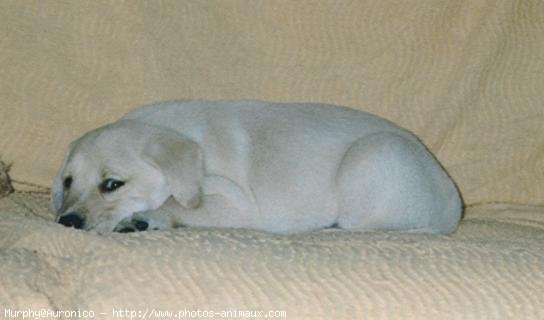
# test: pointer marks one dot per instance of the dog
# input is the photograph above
(272, 167)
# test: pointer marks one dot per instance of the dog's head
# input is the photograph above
(122, 168)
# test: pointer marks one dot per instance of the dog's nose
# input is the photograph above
(71, 220)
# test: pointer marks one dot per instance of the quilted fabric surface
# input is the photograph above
(492, 268)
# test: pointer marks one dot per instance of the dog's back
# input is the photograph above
(286, 157)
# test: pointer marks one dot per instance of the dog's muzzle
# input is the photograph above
(72, 219)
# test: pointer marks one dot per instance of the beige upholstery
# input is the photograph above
(465, 76)
(492, 268)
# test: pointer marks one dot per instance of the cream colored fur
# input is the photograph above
(273, 167)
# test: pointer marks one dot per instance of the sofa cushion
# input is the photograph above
(490, 268)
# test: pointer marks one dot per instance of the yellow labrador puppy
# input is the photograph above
(273, 167)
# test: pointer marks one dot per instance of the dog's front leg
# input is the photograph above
(223, 204)
(214, 211)
(164, 217)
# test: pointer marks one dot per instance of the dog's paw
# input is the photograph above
(131, 225)
(145, 220)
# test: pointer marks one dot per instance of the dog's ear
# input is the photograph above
(180, 161)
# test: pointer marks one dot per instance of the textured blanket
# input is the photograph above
(492, 268)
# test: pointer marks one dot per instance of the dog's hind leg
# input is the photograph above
(391, 181)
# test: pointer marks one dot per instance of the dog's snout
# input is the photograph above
(72, 220)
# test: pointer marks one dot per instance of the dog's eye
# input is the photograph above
(67, 183)
(110, 185)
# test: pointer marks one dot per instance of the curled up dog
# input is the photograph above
(278, 168)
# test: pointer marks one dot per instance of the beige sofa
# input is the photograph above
(466, 76)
